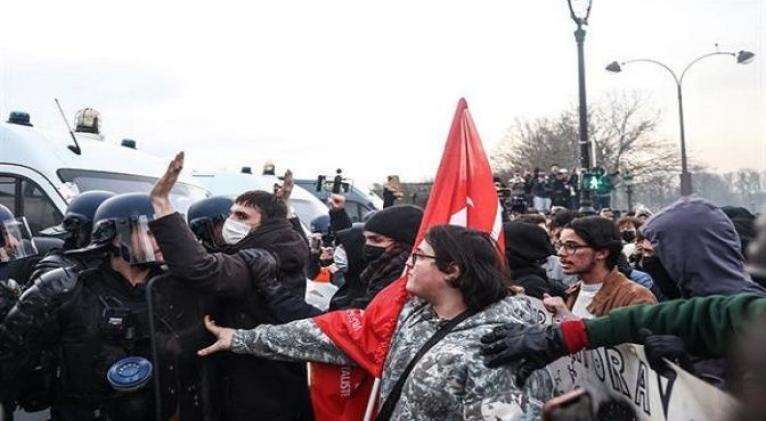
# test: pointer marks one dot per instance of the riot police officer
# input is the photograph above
(75, 229)
(16, 247)
(126, 333)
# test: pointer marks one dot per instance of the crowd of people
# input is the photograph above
(144, 313)
(545, 191)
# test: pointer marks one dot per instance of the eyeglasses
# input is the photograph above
(570, 248)
(415, 257)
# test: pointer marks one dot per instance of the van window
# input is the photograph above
(37, 207)
(353, 211)
(183, 195)
(25, 198)
(8, 192)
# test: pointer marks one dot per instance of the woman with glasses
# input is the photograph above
(456, 274)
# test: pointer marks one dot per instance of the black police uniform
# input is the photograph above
(94, 318)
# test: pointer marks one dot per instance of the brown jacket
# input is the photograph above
(617, 291)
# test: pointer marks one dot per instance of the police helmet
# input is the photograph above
(125, 217)
(320, 224)
(78, 219)
(15, 237)
(205, 215)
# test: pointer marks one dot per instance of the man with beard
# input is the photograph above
(590, 248)
(256, 227)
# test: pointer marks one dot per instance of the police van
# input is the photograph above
(41, 171)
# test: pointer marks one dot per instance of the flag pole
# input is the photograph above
(372, 399)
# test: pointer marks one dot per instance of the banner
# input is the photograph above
(622, 373)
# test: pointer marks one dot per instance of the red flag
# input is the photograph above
(463, 194)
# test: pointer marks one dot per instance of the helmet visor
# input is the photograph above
(15, 240)
(136, 242)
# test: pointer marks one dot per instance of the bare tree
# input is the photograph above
(537, 144)
(622, 130)
(624, 137)
(748, 183)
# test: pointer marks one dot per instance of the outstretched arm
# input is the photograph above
(301, 340)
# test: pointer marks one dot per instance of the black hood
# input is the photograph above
(698, 246)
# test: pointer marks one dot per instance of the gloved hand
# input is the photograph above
(10, 291)
(658, 347)
(263, 266)
(533, 346)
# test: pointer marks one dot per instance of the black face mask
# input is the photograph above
(660, 276)
(372, 253)
(628, 236)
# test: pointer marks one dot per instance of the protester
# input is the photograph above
(560, 192)
(756, 264)
(642, 213)
(702, 326)
(590, 247)
(455, 274)
(706, 325)
(391, 191)
(257, 222)
(527, 247)
(606, 213)
(552, 266)
(541, 192)
(389, 236)
(697, 246)
(744, 224)
(351, 246)
(628, 227)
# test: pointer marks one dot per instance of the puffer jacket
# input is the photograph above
(450, 382)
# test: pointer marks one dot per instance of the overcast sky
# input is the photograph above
(371, 87)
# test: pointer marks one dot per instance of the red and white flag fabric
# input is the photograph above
(463, 194)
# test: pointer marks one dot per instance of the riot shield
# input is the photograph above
(181, 379)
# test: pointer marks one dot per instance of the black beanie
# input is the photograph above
(400, 223)
(527, 241)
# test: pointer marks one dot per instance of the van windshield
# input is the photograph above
(183, 195)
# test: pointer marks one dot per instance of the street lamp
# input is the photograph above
(579, 10)
(742, 57)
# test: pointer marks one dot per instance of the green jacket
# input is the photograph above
(706, 324)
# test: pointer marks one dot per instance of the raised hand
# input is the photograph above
(286, 189)
(160, 193)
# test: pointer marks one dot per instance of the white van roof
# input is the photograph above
(45, 157)
(47, 152)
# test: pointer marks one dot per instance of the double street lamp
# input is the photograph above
(579, 11)
(742, 57)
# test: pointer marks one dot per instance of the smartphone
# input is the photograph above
(394, 183)
(575, 405)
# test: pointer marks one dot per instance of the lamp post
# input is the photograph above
(742, 57)
(579, 11)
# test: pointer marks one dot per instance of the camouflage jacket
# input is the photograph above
(450, 382)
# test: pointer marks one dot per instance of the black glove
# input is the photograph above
(37, 306)
(9, 295)
(533, 346)
(658, 347)
(263, 265)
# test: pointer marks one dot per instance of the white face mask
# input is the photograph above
(234, 231)
(340, 259)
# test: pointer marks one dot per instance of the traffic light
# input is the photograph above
(597, 182)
